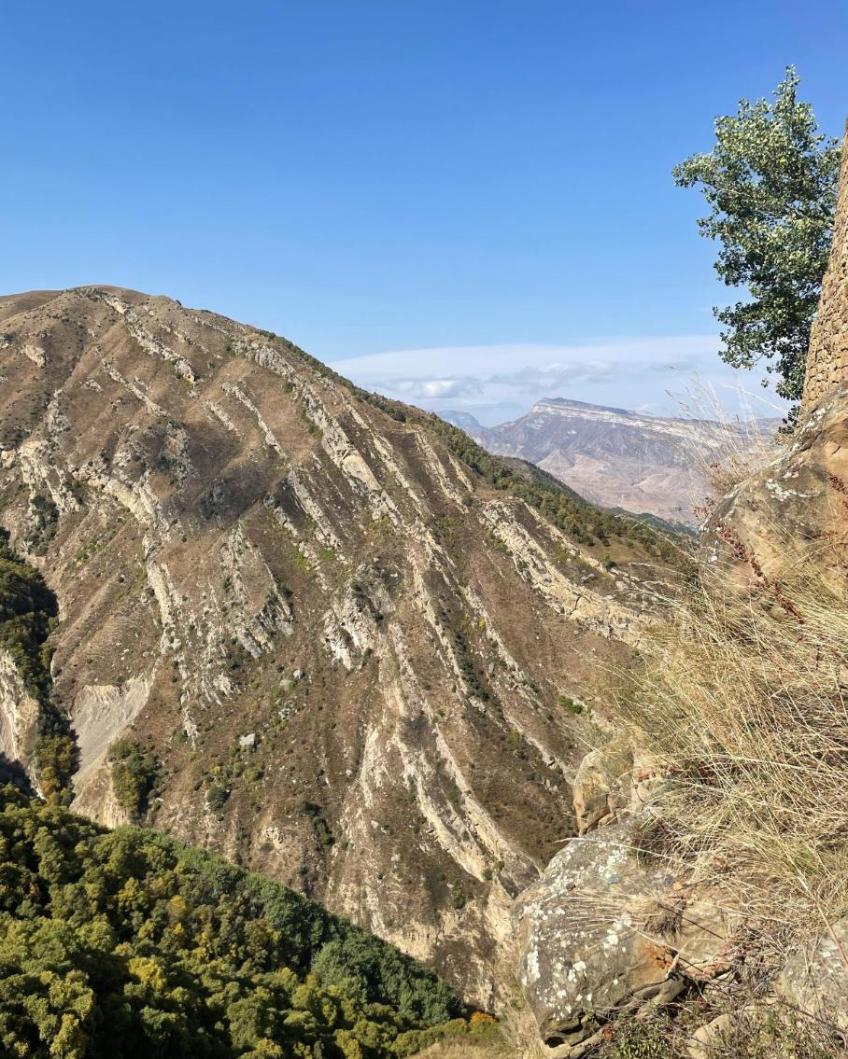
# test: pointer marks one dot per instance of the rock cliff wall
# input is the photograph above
(827, 361)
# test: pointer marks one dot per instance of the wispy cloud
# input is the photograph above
(500, 381)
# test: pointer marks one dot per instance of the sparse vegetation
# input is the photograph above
(570, 706)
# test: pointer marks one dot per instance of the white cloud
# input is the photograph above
(431, 389)
(501, 381)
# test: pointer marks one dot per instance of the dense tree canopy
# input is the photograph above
(770, 185)
(128, 945)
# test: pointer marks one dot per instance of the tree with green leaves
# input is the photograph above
(770, 184)
(128, 945)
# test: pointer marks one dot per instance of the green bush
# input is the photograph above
(134, 770)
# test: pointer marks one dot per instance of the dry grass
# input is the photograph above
(757, 1033)
(747, 700)
(741, 444)
(464, 1049)
(516, 1037)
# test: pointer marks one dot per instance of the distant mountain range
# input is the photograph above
(645, 464)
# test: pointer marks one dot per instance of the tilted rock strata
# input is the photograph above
(344, 647)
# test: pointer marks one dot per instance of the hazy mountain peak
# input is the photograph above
(620, 458)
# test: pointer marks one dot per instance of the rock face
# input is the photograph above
(790, 511)
(18, 715)
(621, 459)
(827, 359)
(616, 777)
(609, 927)
(344, 646)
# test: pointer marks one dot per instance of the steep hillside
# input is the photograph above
(620, 459)
(322, 633)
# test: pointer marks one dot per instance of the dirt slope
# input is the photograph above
(346, 649)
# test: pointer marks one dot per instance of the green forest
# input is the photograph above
(130, 945)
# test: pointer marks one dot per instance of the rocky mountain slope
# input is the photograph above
(324, 634)
(620, 459)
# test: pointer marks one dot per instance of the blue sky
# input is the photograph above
(468, 203)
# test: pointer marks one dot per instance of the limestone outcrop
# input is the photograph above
(246, 547)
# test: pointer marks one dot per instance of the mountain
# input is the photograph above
(322, 633)
(619, 459)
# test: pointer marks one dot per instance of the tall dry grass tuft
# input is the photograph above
(736, 446)
(517, 1037)
(746, 698)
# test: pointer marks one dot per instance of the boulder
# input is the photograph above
(711, 1040)
(748, 1030)
(603, 930)
(620, 775)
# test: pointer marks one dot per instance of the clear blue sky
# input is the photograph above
(372, 176)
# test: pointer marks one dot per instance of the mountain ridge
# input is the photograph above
(621, 459)
(356, 649)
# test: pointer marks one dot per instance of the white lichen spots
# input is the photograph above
(533, 971)
(783, 495)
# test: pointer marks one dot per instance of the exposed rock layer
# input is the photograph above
(346, 648)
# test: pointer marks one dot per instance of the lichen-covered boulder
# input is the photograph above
(602, 931)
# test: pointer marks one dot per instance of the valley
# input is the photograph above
(321, 633)
(643, 464)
